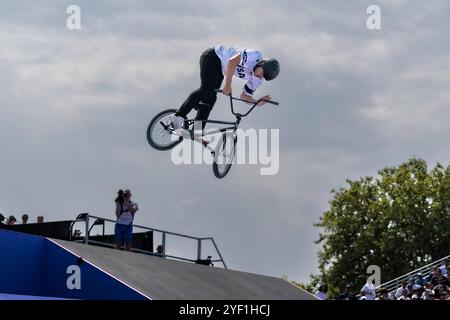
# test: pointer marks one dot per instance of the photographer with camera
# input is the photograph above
(125, 211)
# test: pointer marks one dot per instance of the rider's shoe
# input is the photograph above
(176, 121)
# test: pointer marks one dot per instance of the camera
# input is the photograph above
(120, 197)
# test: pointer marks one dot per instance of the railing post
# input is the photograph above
(86, 236)
(164, 243)
(218, 251)
(199, 249)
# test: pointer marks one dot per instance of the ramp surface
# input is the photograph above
(165, 279)
(34, 267)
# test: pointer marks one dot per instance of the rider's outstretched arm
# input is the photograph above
(231, 66)
(250, 99)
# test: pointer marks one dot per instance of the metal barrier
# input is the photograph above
(394, 284)
(86, 217)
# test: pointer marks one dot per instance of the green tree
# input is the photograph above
(398, 221)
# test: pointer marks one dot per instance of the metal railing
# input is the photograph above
(394, 284)
(86, 217)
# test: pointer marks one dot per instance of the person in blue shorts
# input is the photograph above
(125, 211)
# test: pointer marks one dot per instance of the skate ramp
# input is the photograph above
(166, 279)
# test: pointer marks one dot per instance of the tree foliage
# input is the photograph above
(398, 221)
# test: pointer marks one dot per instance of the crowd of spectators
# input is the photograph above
(11, 220)
(434, 285)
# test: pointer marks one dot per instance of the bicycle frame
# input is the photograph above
(192, 133)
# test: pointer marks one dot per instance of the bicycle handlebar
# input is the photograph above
(258, 101)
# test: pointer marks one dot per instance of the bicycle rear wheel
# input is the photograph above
(159, 131)
(224, 154)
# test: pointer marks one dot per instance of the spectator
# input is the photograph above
(347, 294)
(444, 280)
(322, 293)
(419, 284)
(432, 277)
(24, 219)
(444, 267)
(11, 220)
(125, 211)
(368, 291)
(160, 251)
(412, 286)
(40, 219)
(428, 292)
(420, 281)
(440, 278)
(404, 295)
(443, 284)
(77, 234)
(437, 293)
(399, 291)
(437, 278)
(444, 295)
(383, 295)
(2, 218)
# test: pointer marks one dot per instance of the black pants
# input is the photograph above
(211, 78)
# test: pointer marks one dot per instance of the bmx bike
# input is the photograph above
(161, 135)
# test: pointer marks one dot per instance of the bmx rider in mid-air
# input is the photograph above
(217, 63)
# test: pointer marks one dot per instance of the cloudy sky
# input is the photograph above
(75, 105)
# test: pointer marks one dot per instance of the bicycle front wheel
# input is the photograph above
(224, 154)
(159, 131)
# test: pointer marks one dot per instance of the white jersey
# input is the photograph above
(244, 70)
(370, 292)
